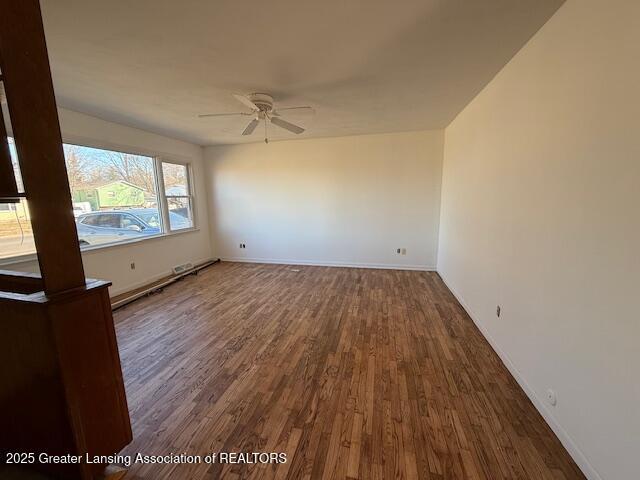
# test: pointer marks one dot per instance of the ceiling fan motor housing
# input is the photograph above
(263, 101)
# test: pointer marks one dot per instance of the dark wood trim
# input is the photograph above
(20, 282)
(34, 118)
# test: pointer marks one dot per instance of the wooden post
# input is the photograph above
(61, 386)
(34, 117)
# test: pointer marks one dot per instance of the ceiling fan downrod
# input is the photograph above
(266, 137)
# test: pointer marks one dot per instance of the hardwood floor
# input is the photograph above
(354, 373)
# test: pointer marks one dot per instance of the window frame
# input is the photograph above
(158, 158)
(190, 196)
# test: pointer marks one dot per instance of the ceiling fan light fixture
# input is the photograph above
(262, 108)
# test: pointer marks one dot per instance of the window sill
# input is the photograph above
(29, 257)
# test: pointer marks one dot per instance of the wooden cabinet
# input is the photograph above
(61, 388)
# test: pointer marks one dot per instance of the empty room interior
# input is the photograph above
(286, 239)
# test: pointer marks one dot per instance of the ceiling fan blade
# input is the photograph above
(223, 114)
(246, 102)
(251, 127)
(286, 125)
(306, 108)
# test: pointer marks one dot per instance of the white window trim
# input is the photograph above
(33, 257)
(163, 197)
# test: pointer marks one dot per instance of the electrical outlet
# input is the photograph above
(398, 251)
(498, 309)
(243, 245)
(133, 265)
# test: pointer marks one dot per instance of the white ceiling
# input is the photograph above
(366, 66)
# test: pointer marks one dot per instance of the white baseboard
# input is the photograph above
(541, 406)
(148, 280)
(281, 261)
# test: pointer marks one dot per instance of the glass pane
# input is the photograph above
(113, 193)
(16, 167)
(179, 213)
(114, 199)
(175, 179)
(16, 236)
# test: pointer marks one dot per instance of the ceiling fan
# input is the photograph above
(261, 106)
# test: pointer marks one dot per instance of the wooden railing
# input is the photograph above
(20, 282)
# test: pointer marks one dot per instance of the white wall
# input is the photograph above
(540, 214)
(332, 201)
(154, 258)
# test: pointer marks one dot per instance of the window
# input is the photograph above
(109, 220)
(116, 196)
(108, 189)
(89, 220)
(130, 222)
(16, 237)
(152, 219)
(177, 194)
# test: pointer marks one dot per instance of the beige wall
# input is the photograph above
(540, 214)
(154, 258)
(334, 201)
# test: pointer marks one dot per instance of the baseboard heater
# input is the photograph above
(154, 287)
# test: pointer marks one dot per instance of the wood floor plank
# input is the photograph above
(353, 373)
